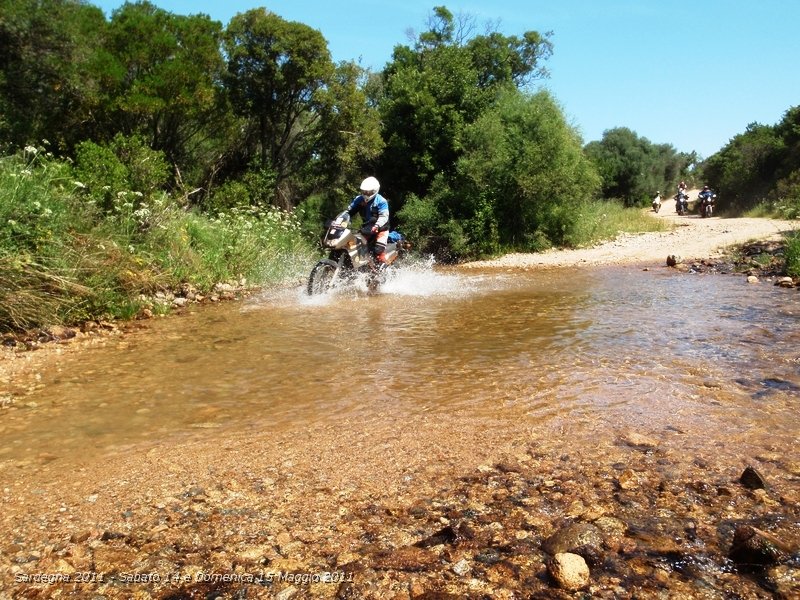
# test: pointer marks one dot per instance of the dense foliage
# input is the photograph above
(71, 250)
(633, 169)
(761, 165)
(519, 183)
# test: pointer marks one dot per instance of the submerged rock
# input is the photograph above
(753, 548)
(572, 537)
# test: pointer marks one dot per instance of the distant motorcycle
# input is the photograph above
(682, 203)
(707, 205)
(657, 203)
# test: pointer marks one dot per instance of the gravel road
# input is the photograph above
(692, 237)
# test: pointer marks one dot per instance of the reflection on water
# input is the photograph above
(602, 348)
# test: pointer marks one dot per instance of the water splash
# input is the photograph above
(422, 279)
(415, 277)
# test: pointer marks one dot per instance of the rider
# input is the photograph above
(705, 194)
(374, 211)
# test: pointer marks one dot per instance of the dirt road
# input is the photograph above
(692, 237)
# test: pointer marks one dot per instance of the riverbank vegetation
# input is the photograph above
(72, 251)
(149, 151)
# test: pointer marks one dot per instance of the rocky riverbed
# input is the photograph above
(438, 510)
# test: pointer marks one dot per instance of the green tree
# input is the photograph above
(632, 168)
(518, 185)
(277, 75)
(435, 89)
(760, 164)
(50, 54)
(524, 160)
(164, 81)
(127, 166)
(745, 170)
(349, 142)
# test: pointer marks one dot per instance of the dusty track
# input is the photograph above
(692, 237)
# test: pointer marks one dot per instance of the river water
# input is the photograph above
(707, 355)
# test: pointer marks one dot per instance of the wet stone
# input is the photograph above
(575, 535)
(639, 441)
(753, 548)
(489, 556)
(752, 479)
(569, 571)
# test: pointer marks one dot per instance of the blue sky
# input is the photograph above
(689, 73)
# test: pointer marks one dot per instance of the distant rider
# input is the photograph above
(374, 210)
(706, 193)
(705, 196)
(681, 199)
(657, 201)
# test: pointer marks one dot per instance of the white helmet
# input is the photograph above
(369, 188)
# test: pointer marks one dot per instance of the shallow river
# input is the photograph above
(707, 355)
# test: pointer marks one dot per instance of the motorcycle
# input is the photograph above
(349, 255)
(657, 203)
(707, 205)
(681, 203)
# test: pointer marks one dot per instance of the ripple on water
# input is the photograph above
(612, 347)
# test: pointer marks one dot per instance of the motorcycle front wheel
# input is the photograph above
(321, 277)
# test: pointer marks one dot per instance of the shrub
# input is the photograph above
(34, 202)
(786, 196)
(125, 167)
(792, 255)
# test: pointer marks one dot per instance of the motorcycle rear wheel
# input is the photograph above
(321, 278)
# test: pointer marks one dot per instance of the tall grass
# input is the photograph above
(65, 257)
(792, 255)
(604, 220)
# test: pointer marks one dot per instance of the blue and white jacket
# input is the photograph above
(373, 212)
